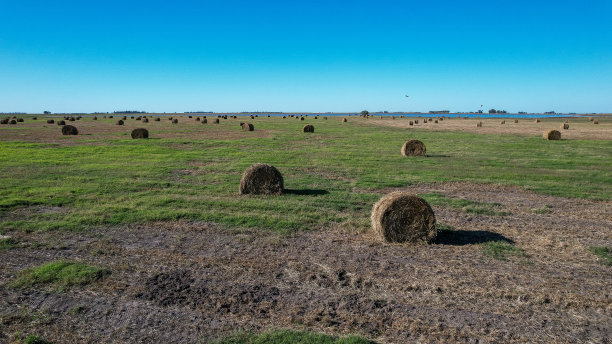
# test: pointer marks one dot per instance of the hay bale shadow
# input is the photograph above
(460, 237)
(306, 192)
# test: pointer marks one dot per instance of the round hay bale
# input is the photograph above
(479, 125)
(175, 121)
(13, 121)
(110, 116)
(34, 118)
(591, 119)
(169, 118)
(261, 179)
(436, 121)
(403, 217)
(324, 117)
(61, 122)
(50, 121)
(69, 130)
(216, 121)
(145, 120)
(19, 120)
(4, 121)
(301, 118)
(411, 123)
(565, 126)
(204, 121)
(124, 118)
(308, 128)
(537, 120)
(552, 135)
(71, 119)
(247, 127)
(190, 116)
(414, 148)
(138, 118)
(119, 122)
(516, 121)
(198, 119)
(416, 121)
(503, 122)
(95, 118)
(157, 119)
(140, 133)
(595, 122)
(344, 120)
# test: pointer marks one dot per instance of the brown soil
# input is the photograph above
(183, 282)
(579, 128)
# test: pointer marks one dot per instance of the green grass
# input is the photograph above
(34, 339)
(7, 243)
(289, 337)
(339, 172)
(603, 253)
(501, 250)
(60, 274)
(469, 206)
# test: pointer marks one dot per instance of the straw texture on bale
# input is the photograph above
(552, 135)
(140, 133)
(411, 123)
(344, 120)
(69, 130)
(175, 121)
(50, 121)
(308, 128)
(261, 179)
(204, 121)
(247, 126)
(414, 148)
(145, 120)
(4, 121)
(13, 121)
(61, 122)
(565, 126)
(157, 119)
(216, 121)
(119, 122)
(403, 217)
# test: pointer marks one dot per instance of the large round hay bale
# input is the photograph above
(552, 135)
(411, 123)
(479, 125)
(308, 128)
(157, 119)
(145, 120)
(175, 121)
(216, 121)
(344, 120)
(62, 122)
(50, 121)
(502, 122)
(247, 126)
(204, 121)
(261, 179)
(403, 217)
(301, 118)
(4, 121)
(95, 118)
(537, 120)
(140, 133)
(565, 126)
(12, 121)
(71, 119)
(69, 130)
(516, 121)
(19, 120)
(595, 122)
(414, 148)
(119, 122)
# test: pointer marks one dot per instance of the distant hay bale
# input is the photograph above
(261, 179)
(416, 121)
(61, 122)
(13, 121)
(119, 122)
(34, 118)
(4, 121)
(175, 121)
(50, 121)
(344, 120)
(284, 117)
(401, 217)
(565, 126)
(252, 117)
(198, 119)
(216, 121)
(502, 122)
(169, 118)
(247, 126)
(69, 130)
(157, 119)
(552, 135)
(316, 117)
(595, 122)
(308, 128)
(591, 119)
(479, 125)
(110, 116)
(516, 121)
(436, 121)
(145, 120)
(140, 133)
(71, 119)
(190, 116)
(537, 120)
(301, 118)
(324, 117)
(204, 121)
(411, 123)
(95, 118)
(138, 118)
(124, 118)
(414, 148)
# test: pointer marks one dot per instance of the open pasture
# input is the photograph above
(522, 252)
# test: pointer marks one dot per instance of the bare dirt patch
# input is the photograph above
(180, 282)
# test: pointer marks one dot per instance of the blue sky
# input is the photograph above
(167, 56)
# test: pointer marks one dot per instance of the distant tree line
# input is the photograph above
(130, 111)
(497, 111)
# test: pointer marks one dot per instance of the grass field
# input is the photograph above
(107, 238)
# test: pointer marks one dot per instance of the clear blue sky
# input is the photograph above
(72, 56)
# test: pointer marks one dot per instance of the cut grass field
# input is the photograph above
(333, 175)
(114, 240)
